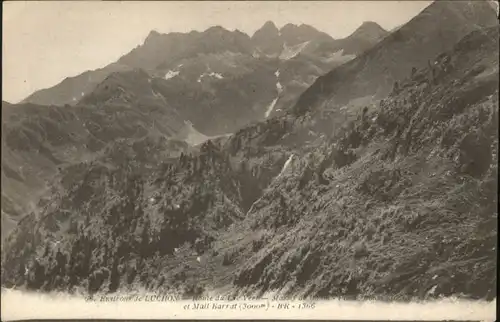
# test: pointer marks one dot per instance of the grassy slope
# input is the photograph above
(411, 214)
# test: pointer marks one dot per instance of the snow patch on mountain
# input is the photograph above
(155, 94)
(292, 51)
(339, 57)
(216, 75)
(279, 88)
(159, 95)
(171, 74)
(271, 107)
(211, 74)
(283, 169)
(286, 165)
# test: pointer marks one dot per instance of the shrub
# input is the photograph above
(191, 290)
(360, 249)
(228, 259)
(257, 244)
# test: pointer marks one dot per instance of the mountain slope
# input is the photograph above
(362, 39)
(72, 89)
(436, 29)
(399, 205)
(41, 142)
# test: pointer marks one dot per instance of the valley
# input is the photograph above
(286, 163)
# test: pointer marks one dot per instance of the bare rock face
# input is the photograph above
(267, 39)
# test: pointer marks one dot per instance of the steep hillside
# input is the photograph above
(436, 29)
(399, 203)
(38, 142)
(139, 222)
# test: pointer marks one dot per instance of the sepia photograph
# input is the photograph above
(249, 159)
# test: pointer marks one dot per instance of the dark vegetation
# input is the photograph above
(408, 196)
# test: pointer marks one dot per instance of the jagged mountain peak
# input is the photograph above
(160, 50)
(294, 34)
(154, 37)
(269, 24)
(295, 27)
(216, 28)
(153, 33)
(267, 39)
(269, 29)
(219, 30)
(369, 30)
(370, 24)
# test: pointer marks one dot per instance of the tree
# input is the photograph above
(282, 202)
(395, 88)
(145, 247)
(243, 166)
(114, 280)
(413, 71)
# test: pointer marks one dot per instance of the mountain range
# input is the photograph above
(377, 179)
(238, 78)
(185, 87)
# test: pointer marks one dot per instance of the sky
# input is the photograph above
(47, 41)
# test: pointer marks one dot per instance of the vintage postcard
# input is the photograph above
(332, 160)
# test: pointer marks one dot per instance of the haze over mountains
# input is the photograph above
(359, 167)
